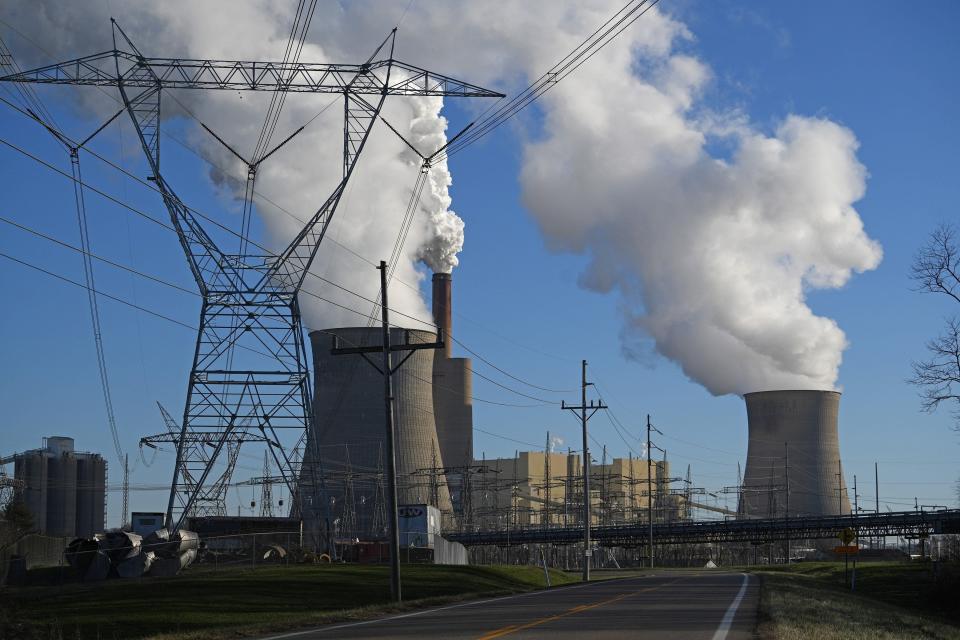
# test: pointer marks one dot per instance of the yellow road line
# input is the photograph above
(503, 631)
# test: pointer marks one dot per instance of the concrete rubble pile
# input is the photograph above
(121, 554)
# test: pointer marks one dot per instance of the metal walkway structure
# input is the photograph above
(250, 372)
(901, 523)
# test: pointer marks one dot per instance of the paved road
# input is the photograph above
(691, 606)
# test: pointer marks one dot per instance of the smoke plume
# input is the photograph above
(711, 255)
(297, 180)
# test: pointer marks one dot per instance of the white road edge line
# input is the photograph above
(727, 621)
(325, 628)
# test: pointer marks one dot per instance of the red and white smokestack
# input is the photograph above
(442, 309)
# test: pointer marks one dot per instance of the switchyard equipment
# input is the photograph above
(897, 523)
(250, 367)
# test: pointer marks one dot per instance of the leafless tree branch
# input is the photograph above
(936, 267)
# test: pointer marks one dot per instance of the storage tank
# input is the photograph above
(452, 384)
(797, 428)
(62, 495)
(91, 494)
(348, 416)
(30, 468)
(58, 445)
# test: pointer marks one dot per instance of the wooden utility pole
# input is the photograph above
(786, 478)
(650, 428)
(387, 369)
(593, 407)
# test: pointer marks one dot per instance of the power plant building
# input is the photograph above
(539, 489)
(793, 456)
(64, 490)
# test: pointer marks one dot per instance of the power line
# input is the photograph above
(207, 218)
(592, 45)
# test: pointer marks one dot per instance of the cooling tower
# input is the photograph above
(452, 384)
(796, 430)
(349, 426)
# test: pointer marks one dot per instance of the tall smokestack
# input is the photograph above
(442, 309)
(452, 385)
(793, 455)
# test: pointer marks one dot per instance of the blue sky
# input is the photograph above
(880, 69)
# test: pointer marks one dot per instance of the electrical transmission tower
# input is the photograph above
(250, 368)
(266, 490)
(196, 448)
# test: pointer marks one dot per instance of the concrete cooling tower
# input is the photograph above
(798, 428)
(349, 426)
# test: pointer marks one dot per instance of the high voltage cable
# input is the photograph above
(594, 43)
(298, 34)
(184, 324)
(92, 300)
(169, 135)
(30, 98)
(306, 291)
(231, 231)
(149, 217)
(412, 205)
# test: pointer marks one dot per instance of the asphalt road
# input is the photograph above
(704, 605)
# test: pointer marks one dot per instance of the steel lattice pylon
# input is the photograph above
(250, 375)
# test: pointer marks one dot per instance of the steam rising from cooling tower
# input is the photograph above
(297, 179)
(713, 256)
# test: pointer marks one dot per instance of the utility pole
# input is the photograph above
(856, 539)
(856, 504)
(876, 491)
(650, 447)
(876, 485)
(387, 369)
(584, 418)
(786, 477)
(839, 488)
(392, 514)
(126, 490)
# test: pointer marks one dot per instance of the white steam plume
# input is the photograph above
(712, 256)
(443, 233)
(300, 176)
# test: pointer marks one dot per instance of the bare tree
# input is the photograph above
(936, 269)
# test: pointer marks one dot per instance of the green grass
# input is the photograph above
(199, 604)
(892, 601)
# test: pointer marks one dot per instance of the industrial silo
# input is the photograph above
(452, 385)
(793, 455)
(91, 494)
(349, 431)
(62, 494)
(30, 468)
